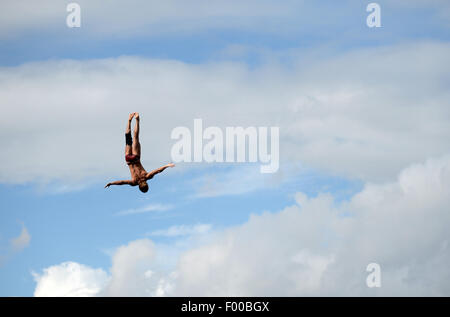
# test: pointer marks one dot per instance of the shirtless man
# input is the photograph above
(139, 175)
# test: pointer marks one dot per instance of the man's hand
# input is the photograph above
(170, 165)
(107, 185)
(131, 116)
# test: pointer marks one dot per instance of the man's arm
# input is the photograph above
(126, 182)
(158, 170)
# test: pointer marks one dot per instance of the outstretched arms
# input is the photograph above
(125, 182)
(158, 170)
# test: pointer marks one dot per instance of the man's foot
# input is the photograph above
(136, 115)
(131, 116)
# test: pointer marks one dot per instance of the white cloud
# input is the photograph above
(182, 230)
(16, 244)
(145, 209)
(353, 115)
(130, 267)
(133, 273)
(70, 279)
(22, 241)
(314, 247)
(319, 248)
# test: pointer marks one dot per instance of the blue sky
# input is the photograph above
(87, 225)
(68, 214)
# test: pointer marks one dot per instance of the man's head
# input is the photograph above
(143, 186)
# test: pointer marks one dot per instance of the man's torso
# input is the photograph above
(137, 171)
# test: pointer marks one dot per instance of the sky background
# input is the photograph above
(364, 159)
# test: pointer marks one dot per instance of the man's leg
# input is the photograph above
(136, 144)
(128, 139)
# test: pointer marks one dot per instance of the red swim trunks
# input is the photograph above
(131, 158)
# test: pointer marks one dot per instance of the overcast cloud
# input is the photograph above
(64, 120)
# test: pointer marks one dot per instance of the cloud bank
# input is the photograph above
(354, 115)
(314, 247)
